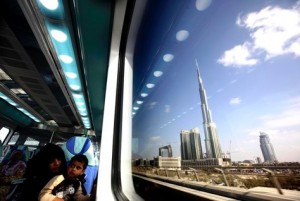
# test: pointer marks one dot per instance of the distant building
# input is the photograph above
(212, 144)
(267, 148)
(258, 159)
(167, 162)
(201, 163)
(167, 148)
(190, 144)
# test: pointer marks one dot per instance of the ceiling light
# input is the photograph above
(144, 95)
(50, 4)
(168, 57)
(58, 35)
(182, 35)
(158, 73)
(139, 102)
(74, 87)
(66, 59)
(150, 85)
(71, 75)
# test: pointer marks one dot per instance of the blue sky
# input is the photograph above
(249, 55)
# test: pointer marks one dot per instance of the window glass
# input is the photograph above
(3, 133)
(14, 139)
(216, 83)
(31, 142)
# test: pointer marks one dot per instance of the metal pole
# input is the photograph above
(166, 172)
(274, 180)
(195, 173)
(178, 174)
(224, 177)
(52, 136)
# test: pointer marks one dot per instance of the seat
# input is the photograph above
(83, 145)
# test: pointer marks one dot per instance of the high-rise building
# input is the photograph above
(267, 148)
(167, 149)
(190, 144)
(212, 144)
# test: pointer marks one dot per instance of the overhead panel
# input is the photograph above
(19, 66)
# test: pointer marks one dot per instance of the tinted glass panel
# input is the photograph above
(216, 84)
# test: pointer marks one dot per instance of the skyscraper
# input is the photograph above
(190, 144)
(267, 148)
(212, 144)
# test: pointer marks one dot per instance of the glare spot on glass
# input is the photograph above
(66, 59)
(135, 108)
(133, 113)
(74, 86)
(51, 5)
(168, 57)
(144, 95)
(158, 73)
(58, 35)
(202, 4)
(150, 85)
(71, 75)
(139, 102)
(182, 35)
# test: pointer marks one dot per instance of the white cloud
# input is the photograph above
(167, 108)
(235, 101)
(233, 81)
(154, 138)
(286, 119)
(273, 31)
(220, 90)
(238, 56)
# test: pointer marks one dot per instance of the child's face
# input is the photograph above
(75, 169)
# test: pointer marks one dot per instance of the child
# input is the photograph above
(69, 187)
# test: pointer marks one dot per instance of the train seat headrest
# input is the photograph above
(83, 145)
(79, 145)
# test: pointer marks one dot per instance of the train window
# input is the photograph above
(3, 133)
(14, 139)
(216, 86)
(31, 142)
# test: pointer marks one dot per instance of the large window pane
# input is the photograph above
(216, 83)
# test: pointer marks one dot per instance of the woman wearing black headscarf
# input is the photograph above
(49, 162)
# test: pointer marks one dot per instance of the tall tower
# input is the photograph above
(212, 144)
(267, 148)
(190, 144)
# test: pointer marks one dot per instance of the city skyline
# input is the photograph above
(251, 80)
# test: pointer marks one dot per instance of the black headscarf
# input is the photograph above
(38, 173)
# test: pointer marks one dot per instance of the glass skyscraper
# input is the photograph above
(267, 148)
(190, 144)
(212, 144)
